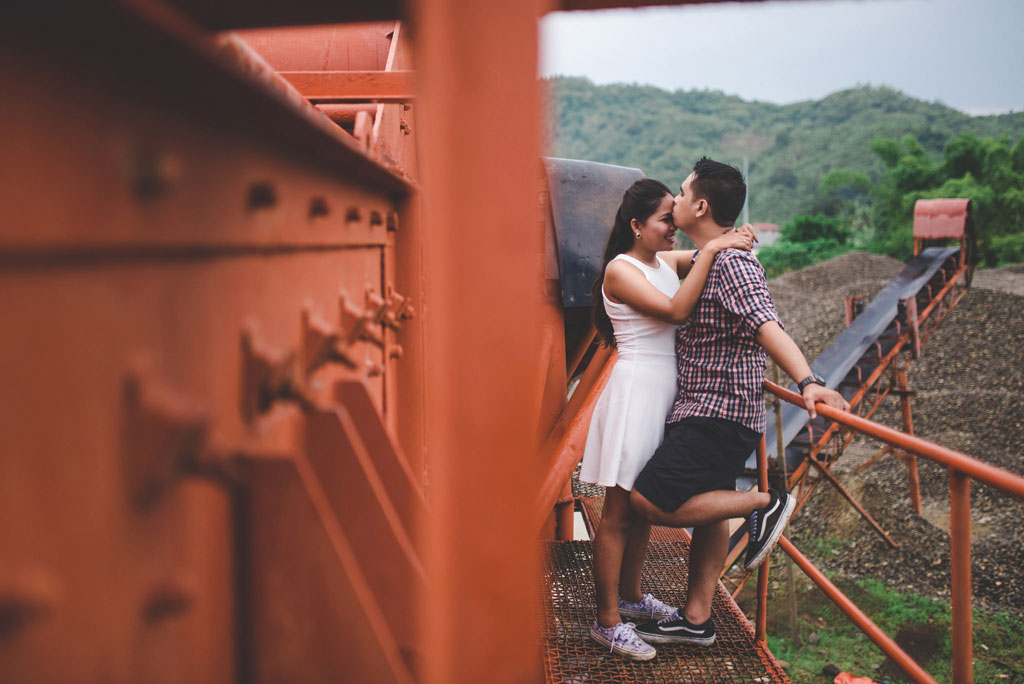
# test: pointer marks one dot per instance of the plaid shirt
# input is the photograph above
(721, 364)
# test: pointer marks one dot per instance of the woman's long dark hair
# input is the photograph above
(639, 202)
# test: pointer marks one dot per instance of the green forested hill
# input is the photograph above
(789, 147)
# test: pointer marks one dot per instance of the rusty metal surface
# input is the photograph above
(568, 612)
(316, 615)
(333, 47)
(941, 219)
(147, 55)
(353, 86)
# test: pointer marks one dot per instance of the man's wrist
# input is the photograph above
(812, 379)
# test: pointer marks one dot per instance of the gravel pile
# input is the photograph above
(970, 397)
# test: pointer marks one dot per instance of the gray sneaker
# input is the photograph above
(622, 639)
(647, 608)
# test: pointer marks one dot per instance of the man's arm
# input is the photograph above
(783, 350)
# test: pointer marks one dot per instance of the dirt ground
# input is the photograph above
(970, 397)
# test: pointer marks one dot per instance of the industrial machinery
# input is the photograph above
(293, 374)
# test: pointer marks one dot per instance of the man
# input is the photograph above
(718, 417)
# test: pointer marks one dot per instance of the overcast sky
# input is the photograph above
(968, 54)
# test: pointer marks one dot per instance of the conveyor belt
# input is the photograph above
(853, 355)
(837, 361)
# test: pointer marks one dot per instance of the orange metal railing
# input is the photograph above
(962, 469)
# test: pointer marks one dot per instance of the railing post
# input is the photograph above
(960, 575)
(564, 509)
(761, 626)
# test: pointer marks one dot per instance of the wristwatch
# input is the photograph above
(812, 379)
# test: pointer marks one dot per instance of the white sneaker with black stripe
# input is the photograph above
(676, 629)
(765, 526)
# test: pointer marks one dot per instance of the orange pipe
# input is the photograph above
(568, 450)
(960, 575)
(564, 510)
(888, 646)
(1001, 479)
(761, 628)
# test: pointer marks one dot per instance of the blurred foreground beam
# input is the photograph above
(479, 119)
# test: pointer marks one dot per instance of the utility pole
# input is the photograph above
(746, 199)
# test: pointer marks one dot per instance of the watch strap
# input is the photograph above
(812, 379)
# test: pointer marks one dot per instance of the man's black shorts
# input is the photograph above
(698, 455)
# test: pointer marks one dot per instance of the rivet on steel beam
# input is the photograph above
(167, 600)
(357, 324)
(395, 351)
(267, 378)
(398, 310)
(353, 215)
(164, 434)
(404, 126)
(322, 344)
(374, 369)
(318, 207)
(406, 106)
(26, 597)
(152, 173)
(376, 219)
(392, 221)
(261, 195)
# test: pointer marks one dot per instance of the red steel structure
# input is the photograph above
(275, 324)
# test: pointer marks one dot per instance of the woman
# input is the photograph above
(638, 302)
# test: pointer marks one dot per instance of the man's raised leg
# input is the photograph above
(702, 509)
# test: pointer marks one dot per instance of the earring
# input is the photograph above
(638, 235)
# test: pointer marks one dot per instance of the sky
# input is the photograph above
(967, 54)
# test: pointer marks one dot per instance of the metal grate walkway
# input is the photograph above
(572, 658)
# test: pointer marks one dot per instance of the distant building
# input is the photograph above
(767, 233)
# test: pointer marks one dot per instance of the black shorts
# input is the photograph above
(698, 455)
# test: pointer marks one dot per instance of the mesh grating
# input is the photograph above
(584, 488)
(572, 658)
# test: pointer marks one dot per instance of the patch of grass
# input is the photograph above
(920, 625)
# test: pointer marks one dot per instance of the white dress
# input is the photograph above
(628, 422)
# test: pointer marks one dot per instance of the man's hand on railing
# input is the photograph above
(814, 393)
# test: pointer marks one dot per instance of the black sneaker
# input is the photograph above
(676, 629)
(765, 526)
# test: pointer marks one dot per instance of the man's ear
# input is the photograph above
(702, 207)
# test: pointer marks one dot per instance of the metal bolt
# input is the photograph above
(261, 196)
(152, 173)
(376, 219)
(353, 215)
(318, 207)
(392, 221)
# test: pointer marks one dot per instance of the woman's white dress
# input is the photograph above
(628, 422)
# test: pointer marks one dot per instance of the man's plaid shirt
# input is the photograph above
(721, 365)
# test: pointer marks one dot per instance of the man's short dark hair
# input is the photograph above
(723, 188)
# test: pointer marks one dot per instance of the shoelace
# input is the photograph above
(630, 638)
(752, 526)
(670, 618)
(655, 605)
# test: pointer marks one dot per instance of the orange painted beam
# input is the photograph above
(353, 86)
(479, 138)
(866, 625)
